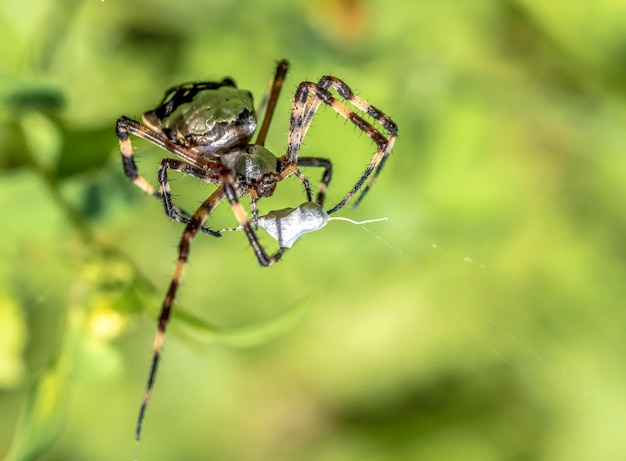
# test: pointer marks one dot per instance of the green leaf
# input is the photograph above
(242, 337)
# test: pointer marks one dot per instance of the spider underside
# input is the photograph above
(208, 127)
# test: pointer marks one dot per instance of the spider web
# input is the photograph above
(551, 358)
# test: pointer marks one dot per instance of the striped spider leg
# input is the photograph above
(307, 101)
(228, 190)
(208, 127)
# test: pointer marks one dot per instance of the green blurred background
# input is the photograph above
(483, 321)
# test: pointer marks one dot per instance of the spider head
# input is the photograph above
(211, 119)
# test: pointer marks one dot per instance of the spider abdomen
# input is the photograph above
(211, 120)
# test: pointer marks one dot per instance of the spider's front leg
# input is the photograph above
(193, 226)
(307, 101)
(126, 126)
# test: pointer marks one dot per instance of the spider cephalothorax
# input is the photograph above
(209, 127)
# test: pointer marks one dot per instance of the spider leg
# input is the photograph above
(126, 126)
(242, 218)
(271, 99)
(193, 226)
(388, 125)
(123, 128)
(305, 182)
(171, 210)
(302, 114)
(254, 207)
(326, 175)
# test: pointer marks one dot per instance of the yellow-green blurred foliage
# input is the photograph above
(483, 321)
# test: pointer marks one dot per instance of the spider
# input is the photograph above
(208, 127)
